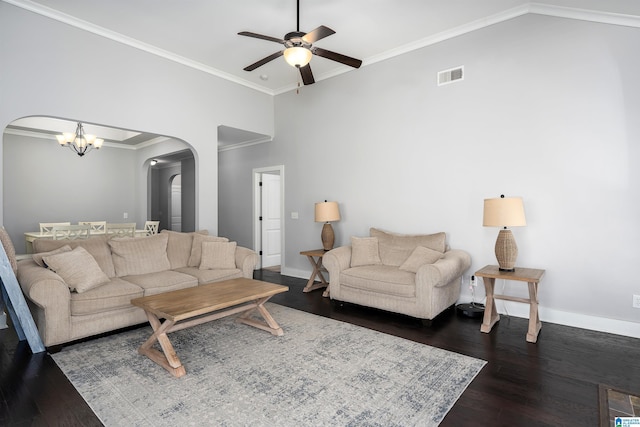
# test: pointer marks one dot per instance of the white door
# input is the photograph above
(176, 203)
(270, 213)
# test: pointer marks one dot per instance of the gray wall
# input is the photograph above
(548, 110)
(117, 85)
(47, 183)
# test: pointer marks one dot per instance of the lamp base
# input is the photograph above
(508, 270)
(506, 250)
(327, 236)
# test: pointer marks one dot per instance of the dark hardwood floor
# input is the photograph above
(551, 383)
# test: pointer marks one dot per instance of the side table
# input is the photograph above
(315, 258)
(532, 276)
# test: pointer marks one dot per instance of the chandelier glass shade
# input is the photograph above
(79, 142)
(297, 56)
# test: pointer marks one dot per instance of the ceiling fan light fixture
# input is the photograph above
(297, 56)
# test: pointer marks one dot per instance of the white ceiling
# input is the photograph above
(203, 33)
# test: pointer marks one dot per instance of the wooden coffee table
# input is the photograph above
(184, 308)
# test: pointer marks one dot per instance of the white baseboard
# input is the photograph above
(550, 315)
(576, 320)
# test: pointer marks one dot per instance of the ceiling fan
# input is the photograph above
(299, 49)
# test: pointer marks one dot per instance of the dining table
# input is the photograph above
(30, 236)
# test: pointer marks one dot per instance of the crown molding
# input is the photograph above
(120, 38)
(245, 144)
(529, 7)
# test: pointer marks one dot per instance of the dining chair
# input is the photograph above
(151, 227)
(97, 227)
(124, 229)
(71, 232)
(47, 227)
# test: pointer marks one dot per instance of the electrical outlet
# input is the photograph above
(636, 301)
(125, 215)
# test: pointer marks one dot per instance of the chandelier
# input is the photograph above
(79, 142)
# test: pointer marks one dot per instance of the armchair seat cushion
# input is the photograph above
(113, 295)
(384, 279)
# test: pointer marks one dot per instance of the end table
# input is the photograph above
(532, 276)
(315, 258)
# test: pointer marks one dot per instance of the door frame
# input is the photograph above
(257, 226)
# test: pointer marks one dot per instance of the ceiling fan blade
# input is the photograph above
(347, 60)
(260, 36)
(263, 61)
(307, 75)
(317, 34)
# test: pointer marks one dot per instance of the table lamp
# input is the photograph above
(505, 212)
(327, 212)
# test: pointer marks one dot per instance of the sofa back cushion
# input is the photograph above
(97, 246)
(140, 255)
(179, 247)
(395, 248)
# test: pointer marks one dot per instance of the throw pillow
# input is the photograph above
(38, 257)
(196, 247)
(218, 255)
(140, 255)
(364, 251)
(78, 269)
(419, 257)
(179, 247)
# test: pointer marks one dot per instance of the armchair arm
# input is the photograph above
(246, 260)
(335, 261)
(50, 294)
(454, 263)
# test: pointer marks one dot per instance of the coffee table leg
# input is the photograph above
(168, 359)
(270, 325)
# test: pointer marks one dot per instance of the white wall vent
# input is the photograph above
(450, 76)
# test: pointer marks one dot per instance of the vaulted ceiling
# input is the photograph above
(204, 33)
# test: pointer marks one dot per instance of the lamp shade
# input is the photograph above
(504, 212)
(297, 56)
(327, 211)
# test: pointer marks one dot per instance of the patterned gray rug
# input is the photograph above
(322, 372)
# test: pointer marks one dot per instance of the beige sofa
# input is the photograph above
(414, 275)
(95, 279)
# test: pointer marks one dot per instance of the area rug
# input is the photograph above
(618, 407)
(322, 372)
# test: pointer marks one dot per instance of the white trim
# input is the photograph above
(257, 237)
(530, 7)
(246, 143)
(576, 320)
(121, 38)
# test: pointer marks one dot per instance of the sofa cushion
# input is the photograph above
(179, 247)
(140, 255)
(77, 268)
(396, 248)
(38, 257)
(216, 255)
(196, 247)
(96, 245)
(364, 251)
(113, 295)
(383, 279)
(419, 257)
(208, 276)
(162, 281)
